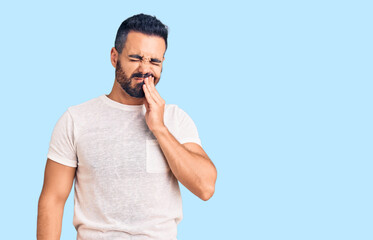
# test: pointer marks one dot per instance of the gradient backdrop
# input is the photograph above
(280, 91)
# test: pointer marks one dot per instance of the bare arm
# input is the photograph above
(189, 163)
(58, 180)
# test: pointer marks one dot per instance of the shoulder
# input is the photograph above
(171, 109)
(174, 111)
(86, 107)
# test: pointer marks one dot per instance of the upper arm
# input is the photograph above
(58, 180)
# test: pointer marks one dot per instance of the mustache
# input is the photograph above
(140, 75)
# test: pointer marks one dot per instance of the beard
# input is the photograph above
(127, 82)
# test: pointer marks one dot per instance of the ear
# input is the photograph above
(114, 57)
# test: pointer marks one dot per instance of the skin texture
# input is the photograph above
(58, 180)
(188, 162)
(142, 45)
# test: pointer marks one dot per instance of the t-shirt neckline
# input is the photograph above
(119, 105)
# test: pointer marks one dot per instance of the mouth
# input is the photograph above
(142, 79)
(139, 79)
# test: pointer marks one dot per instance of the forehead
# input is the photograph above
(144, 45)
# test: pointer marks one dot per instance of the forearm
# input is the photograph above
(50, 214)
(195, 172)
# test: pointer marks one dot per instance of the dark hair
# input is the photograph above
(142, 23)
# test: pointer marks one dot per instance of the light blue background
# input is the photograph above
(281, 93)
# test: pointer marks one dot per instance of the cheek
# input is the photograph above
(157, 72)
(129, 68)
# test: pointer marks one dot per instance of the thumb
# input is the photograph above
(146, 104)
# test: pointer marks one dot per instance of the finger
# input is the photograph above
(146, 104)
(150, 91)
(148, 97)
(154, 91)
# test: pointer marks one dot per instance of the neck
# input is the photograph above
(119, 95)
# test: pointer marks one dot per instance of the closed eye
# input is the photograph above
(155, 63)
(134, 60)
(137, 58)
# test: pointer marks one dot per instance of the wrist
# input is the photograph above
(159, 131)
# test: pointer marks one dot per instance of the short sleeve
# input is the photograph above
(61, 146)
(187, 129)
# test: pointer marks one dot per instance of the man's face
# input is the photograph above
(142, 56)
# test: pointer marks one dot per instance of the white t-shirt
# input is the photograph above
(124, 188)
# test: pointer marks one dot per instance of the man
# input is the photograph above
(126, 151)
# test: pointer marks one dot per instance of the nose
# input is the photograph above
(144, 67)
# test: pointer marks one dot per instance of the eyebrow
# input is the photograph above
(135, 56)
(155, 60)
(140, 57)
